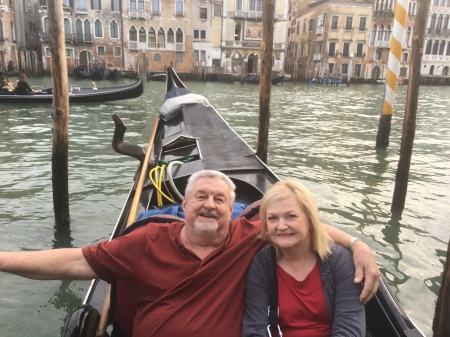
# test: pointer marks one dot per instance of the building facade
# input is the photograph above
(8, 46)
(242, 36)
(329, 39)
(436, 58)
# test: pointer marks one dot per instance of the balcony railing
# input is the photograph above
(320, 30)
(254, 15)
(179, 47)
(317, 57)
(238, 14)
(382, 44)
(137, 13)
(133, 45)
(438, 31)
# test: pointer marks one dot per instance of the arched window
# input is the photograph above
(114, 29)
(373, 34)
(433, 21)
(407, 38)
(179, 7)
(381, 33)
(432, 70)
(151, 38)
(2, 34)
(435, 47)
(445, 25)
(142, 35)
(428, 48)
(161, 38)
(87, 31)
(442, 48)
(133, 34)
(387, 36)
(67, 29)
(237, 32)
(98, 28)
(439, 22)
(179, 36)
(79, 30)
(170, 38)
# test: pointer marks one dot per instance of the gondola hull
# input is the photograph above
(196, 137)
(81, 95)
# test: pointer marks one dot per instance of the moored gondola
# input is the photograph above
(190, 135)
(81, 95)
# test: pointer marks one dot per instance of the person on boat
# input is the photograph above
(188, 278)
(7, 86)
(316, 293)
(23, 88)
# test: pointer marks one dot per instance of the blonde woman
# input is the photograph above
(316, 293)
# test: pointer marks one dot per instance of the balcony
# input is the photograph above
(254, 15)
(156, 45)
(133, 45)
(179, 47)
(317, 57)
(320, 30)
(383, 44)
(438, 31)
(238, 14)
(137, 14)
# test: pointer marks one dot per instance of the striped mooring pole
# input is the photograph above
(395, 55)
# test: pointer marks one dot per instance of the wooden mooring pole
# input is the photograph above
(60, 113)
(441, 321)
(265, 81)
(412, 98)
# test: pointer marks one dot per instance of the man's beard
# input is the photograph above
(206, 227)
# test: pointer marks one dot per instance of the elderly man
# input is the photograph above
(188, 278)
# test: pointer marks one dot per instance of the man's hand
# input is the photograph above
(366, 269)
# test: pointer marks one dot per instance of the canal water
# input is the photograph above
(323, 136)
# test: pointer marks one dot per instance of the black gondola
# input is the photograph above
(255, 79)
(190, 135)
(81, 95)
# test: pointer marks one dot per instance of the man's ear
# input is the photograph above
(183, 204)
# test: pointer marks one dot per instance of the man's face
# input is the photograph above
(208, 207)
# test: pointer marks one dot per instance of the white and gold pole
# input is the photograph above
(394, 61)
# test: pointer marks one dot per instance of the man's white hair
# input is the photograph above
(210, 174)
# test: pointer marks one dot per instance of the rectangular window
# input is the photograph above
(100, 50)
(357, 70)
(349, 23)
(332, 49)
(115, 5)
(362, 24)
(311, 25)
(199, 34)
(405, 57)
(304, 26)
(196, 58)
(179, 57)
(96, 5)
(47, 52)
(203, 13)
(117, 52)
(69, 52)
(377, 55)
(155, 7)
(334, 22)
(217, 10)
(238, 5)
(344, 68)
(346, 50)
(359, 49)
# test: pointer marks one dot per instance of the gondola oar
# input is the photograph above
(102, 324)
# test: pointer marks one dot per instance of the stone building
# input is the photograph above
(242, 36)
(379, 43)
(436, 58)
(328, 38)
(8, 47)
(92, 33)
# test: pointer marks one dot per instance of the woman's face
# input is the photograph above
(287, 225)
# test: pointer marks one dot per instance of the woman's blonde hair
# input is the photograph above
(289, 188)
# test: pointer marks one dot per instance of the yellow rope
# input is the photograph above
(157, 183)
